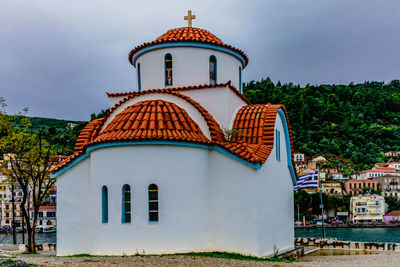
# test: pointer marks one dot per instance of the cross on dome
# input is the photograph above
(189, 18)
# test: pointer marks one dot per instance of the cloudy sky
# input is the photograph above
(58, 58)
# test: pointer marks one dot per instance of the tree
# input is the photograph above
(27, 164)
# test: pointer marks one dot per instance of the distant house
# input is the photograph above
(392, 154)
(394, 165)
(47, 215)
(315, 162)
(367, 208)
(338, 176)
(298, 157)
(392, 217)
(378, 172)
(354, 186)
(389, 185)
(332, 188)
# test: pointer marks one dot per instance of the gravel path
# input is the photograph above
(381, 259)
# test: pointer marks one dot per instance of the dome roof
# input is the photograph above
(152, 120)
(188, 34)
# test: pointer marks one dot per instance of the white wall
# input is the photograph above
(190, 66)
(252, 210)
(208, 202)
(74, 210)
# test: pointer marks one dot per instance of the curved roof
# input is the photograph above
(152, 120)
(252, 137)
(255, 124)
(188, 34)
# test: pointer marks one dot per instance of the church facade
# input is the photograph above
(184, 163)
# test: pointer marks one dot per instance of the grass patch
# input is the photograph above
(231, 255)
(215, 254)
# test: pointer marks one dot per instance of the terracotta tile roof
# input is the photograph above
(152, 120)
(255, 124)
(185, 88)
(393, 213)
(188, 34)
(381, 164)
(89, 133)
(162, 120)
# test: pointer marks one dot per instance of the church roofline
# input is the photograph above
(184, 88)
(188, 36)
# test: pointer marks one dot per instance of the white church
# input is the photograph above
(184, 163)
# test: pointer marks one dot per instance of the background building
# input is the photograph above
(367, 208)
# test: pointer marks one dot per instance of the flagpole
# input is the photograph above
(321, 206)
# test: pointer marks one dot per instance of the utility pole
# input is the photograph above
(13, 215)
(322, 208)
(298, 212)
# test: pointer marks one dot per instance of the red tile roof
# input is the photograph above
(89, 133)
(162, 120)
(152, 120)
(188, 34)
(393, 213)
(255, 124)
(185, 88)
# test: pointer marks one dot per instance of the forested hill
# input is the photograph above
(63, 132)
(352, 123)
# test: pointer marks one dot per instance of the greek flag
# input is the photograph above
(307, 181)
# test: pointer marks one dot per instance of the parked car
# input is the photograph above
(315, 221)
(336, 222)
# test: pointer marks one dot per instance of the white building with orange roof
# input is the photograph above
(184, 163)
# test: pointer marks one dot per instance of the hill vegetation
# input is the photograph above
(352, 125)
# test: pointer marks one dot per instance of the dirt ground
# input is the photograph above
(380, 259)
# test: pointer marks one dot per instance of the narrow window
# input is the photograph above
(240, 79)
(213, 70)
(278, 144)
(138, 78)
(168, 70)
(153, 203)
(104, 204)
(126, 204)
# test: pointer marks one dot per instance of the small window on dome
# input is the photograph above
(153, 203)
(138, 78)
(168, 70)
(240, 79)
(213, 70)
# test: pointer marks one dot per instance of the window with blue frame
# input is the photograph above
(126, 204)
(278, 144)
(168, 69)
(153, 203)
(139, 78)
(240, 79)
(213, 70)
(104, 204)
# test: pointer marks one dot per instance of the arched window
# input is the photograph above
(126, 204)
(153, 203)
(240, 79)
(138, 78)
(104, 204)
(168, 70)
(278, 144)
(213, 70)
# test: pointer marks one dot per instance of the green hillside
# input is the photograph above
(351, 124)
(64, 132)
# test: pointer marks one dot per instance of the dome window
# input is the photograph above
(168, 70)
(126, 204)
(153, 203)
(213, 70)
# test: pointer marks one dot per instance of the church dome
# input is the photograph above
(152, 120)
(188, 35)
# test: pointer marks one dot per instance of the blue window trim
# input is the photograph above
(158, 212)
(214, 147)
(215, 67)
(165, 70)
(123, 219)
(188, 44)
(240, 79)
(104, 204)
(139, 78)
